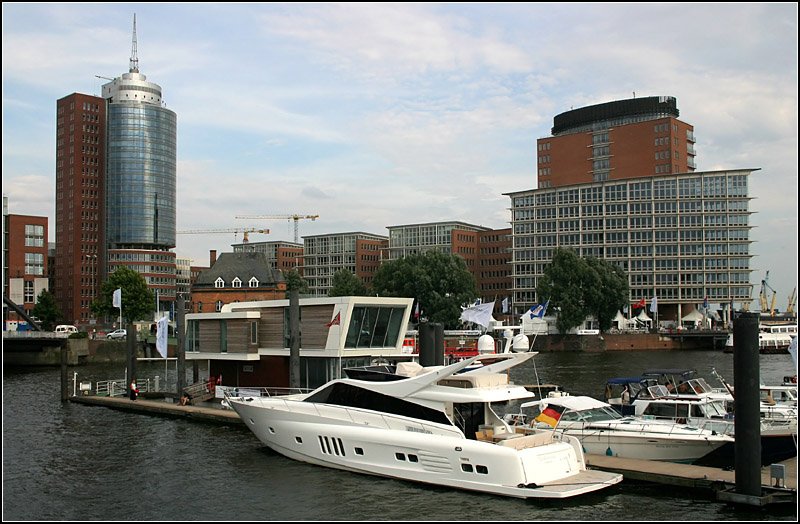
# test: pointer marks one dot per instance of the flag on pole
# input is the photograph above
(162, 330)
(653, 304)
(335, 321)
(505, 305)
(551, 414)
(416, 311)
(539, 310)
(116, 300)
(705, 303)
(642, 303)
(480, 314)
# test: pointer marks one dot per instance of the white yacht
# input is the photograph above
(695, 403)
(602, 430)
(772, 337)
(435, 425)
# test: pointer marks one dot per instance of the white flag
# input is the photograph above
(117, 298)
(654, 304)
(505, 305)
(162, 328)
(480, 314)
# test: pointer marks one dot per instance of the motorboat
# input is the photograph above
(694, 402)
(772, 337)
(436, 426)
(603, 431)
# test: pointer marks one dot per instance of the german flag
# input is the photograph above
(551, 414)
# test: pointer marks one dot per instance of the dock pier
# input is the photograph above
(713, 482)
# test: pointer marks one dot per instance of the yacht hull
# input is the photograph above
(392, 446)
(644, 447)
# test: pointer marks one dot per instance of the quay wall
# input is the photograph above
(617, 342)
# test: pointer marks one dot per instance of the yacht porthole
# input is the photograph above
(272, 430)
(458, 448)
(299, 440)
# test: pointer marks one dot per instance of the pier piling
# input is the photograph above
(747, 421)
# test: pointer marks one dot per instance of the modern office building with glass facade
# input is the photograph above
(323, 255)
(141, 175)
(682, 238)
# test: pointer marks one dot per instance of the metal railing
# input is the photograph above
(118, 387)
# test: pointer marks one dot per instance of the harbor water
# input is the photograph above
(67, 461)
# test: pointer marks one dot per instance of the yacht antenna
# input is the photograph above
(134, 65)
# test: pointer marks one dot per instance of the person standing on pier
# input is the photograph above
(134, 391)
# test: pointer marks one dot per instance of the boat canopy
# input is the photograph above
(625, 380)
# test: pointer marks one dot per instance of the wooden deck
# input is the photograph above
(696, 477)
(207, 412)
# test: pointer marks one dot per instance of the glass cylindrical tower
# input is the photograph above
(141, 159)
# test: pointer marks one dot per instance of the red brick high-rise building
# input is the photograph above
(615, 141)
(80, 203)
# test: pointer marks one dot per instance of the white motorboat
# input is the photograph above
(772, 337)
(694, 402)
(603, 431)
(435, 425)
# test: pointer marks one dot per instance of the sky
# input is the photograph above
(377, 114)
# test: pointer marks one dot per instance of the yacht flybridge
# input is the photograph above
(432, 425)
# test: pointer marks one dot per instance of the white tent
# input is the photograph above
(693, 316)
(643, 316)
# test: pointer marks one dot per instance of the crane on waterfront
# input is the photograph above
(763, 296)
(792, 298)
(295, 217)
(243, 230)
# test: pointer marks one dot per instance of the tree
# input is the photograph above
(582, 287)
(345, 284)
(440, 282)
(138, 302)
(295, 281)
(610, 295)
(46, 310)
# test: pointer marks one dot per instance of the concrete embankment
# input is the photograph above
(624, 342)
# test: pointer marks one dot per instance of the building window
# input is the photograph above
(34, 235)
(254, 332)
(218, 305)
(253, 282)
(219, 282)
(29, 296)
(34, 264)
(237, 282)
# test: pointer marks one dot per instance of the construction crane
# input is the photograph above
(296, 219)
(762, 296)
(790, 306)
(243, 230)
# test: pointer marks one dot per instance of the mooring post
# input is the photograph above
(64, 384)
(294, 339)
(130, 342)
(747, 419)
(180, 341)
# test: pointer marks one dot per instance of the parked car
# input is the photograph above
(66, 330)
(117, 334)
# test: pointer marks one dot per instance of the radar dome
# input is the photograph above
(519, 344)
(485, 344)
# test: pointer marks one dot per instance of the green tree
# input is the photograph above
(47, 310)
(582, 287)
(295, 281)
(138, 302)
(610, 295)
(345, 284)
(440, 282)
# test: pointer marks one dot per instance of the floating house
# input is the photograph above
(248, 343)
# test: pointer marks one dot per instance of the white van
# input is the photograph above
(66, 330)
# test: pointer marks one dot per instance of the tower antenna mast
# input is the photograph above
(134, 66)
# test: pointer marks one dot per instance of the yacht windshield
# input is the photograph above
(713, 409)
(591, 415)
